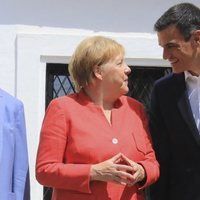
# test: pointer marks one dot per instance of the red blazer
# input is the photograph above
(76, 134)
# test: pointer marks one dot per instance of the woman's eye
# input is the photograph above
(119, 63)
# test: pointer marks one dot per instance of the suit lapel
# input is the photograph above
(184, 106)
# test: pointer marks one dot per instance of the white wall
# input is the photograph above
(25, 49)
(97, 15)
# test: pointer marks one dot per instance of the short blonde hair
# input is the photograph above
(91, 52)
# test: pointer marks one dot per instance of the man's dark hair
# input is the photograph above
(185, 16)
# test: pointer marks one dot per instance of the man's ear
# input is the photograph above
(196, 35)
(97, 72)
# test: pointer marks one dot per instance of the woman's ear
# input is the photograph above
(97, 72)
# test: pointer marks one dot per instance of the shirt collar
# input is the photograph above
(189, 76)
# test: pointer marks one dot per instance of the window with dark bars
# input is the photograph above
(141, 80)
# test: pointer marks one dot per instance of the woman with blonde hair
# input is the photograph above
(95, 144)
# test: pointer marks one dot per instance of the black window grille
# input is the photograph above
(58, 81)
(141, 80)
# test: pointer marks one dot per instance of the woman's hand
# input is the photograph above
(139, 173)
(111, 170)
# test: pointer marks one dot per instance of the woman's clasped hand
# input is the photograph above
(118, 169)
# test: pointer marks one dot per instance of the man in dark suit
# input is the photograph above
(175, 106)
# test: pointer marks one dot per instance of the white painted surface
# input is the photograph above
(97, 15)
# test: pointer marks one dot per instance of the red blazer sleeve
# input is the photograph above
(150, 163)
(51, 169)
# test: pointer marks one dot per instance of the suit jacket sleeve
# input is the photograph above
(150, 163)
(21, 174)
(158, 131)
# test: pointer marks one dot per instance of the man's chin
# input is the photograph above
(176, 70)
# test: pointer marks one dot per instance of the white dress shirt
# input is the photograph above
(193, 90)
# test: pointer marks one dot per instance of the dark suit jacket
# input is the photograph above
(176, 141)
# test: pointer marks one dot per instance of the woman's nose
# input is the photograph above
(127, 69)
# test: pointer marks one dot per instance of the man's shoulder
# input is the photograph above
(8, 98)
(169, 80)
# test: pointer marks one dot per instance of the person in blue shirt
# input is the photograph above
(14, 174)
